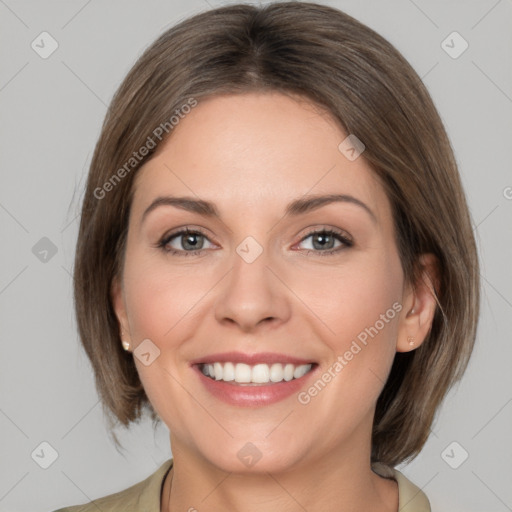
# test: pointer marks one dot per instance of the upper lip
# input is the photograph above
(250, 359)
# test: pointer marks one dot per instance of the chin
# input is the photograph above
(246, 457)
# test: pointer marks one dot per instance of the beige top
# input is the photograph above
(145, 496)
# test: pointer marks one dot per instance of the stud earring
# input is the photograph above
(410, 339)
(126, 345)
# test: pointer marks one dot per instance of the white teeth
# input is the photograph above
(260, 373)
(300, 371)
(288, 372)
(228, 373)
(257, 374)
(276, 372)
(217, 371)
(242, 373)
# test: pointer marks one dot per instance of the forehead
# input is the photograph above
(252, 149)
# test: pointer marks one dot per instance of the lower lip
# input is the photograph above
(253, 395)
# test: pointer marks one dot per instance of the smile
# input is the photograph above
(244, 374)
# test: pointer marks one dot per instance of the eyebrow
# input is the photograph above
(297, 207)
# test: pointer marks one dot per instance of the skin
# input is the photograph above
(252, 154)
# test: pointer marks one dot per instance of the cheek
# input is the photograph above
(162, 303)
(353, 297)
(161, 300)
(359, 310)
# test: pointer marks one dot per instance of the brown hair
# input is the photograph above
(343, 66)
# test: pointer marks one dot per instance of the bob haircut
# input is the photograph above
(348, 70)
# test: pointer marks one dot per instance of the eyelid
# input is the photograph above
(327, 229)
(180, 231)
(187, 228)
(341, 235)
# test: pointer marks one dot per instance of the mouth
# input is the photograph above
(260, 374)
(253, 380)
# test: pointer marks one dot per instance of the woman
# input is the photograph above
(275, 232)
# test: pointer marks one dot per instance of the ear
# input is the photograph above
(117, 296)
(420, 303)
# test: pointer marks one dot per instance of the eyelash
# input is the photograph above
(347, 242)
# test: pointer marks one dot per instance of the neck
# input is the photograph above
(339, 482)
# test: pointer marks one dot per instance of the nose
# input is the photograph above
(252, 296)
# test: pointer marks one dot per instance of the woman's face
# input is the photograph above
(253, 285)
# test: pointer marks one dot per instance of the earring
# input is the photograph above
(126, 344)
(410, 339)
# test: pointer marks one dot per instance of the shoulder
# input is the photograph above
(142, 494)
(410, 497)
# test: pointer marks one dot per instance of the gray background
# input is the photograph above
(52, 110)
